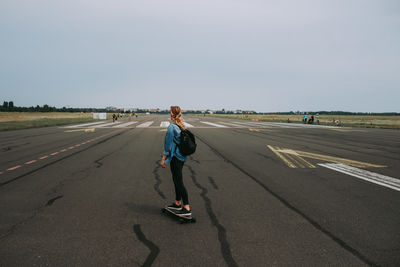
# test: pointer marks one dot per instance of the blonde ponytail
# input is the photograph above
(176, 116)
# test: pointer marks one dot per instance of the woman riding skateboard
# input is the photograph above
(173, 156)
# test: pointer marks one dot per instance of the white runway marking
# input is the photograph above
(232, 124)
(106, 124)
(125, 124)
(187, 125)
(258, 124)
(214, 124)
(85, 124)
(372, 177)
(165, 124)
(145, 125)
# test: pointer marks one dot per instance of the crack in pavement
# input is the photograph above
(286, 203)
(158, 180)
(193, 159)
(51, 201)
(212, 182)
(224, 244)
(12, 228)
(154, 250)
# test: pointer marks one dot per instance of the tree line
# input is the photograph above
(10, 107)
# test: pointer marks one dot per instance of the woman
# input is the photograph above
(173, 156)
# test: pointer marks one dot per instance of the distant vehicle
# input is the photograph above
(147, 113)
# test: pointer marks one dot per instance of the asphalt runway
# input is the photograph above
(263, 194)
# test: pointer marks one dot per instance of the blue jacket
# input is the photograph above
(172, 139)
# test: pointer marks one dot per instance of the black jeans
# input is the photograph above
(180, 190)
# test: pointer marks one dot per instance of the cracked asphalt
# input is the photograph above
(95, 198)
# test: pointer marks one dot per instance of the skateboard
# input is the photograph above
(182, 219)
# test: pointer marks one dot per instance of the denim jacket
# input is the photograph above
(172, 138)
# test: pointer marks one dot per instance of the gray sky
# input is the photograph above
(234, 54)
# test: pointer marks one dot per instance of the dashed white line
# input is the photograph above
(14, 168)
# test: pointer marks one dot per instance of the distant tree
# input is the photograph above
(5, 104)
(11, 104)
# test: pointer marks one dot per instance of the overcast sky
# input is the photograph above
(262, 55)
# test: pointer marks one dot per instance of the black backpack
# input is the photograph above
(188, 143)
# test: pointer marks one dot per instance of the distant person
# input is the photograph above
(113, 117)
(312, 119)
(305, 118)
(173, 156)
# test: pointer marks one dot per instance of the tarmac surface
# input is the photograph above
(263, 194)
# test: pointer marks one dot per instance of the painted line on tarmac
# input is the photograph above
(125, 124)
(347, 130)
(164, 124)
(326, 158)
(214, 124)
(145, 125)
(88, 130)
(188, 125)
(106, 124)
(285, 202)
(83, 125)
(14, 168)
(282, 157)
(54, 153)
(232, 124)
(365, 175)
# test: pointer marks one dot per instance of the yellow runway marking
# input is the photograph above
(163, 130)
(253, 130)
(288, 162)
(80, 130)
(292, 159)
(300, 155)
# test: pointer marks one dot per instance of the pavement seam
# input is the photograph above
(316, 225)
